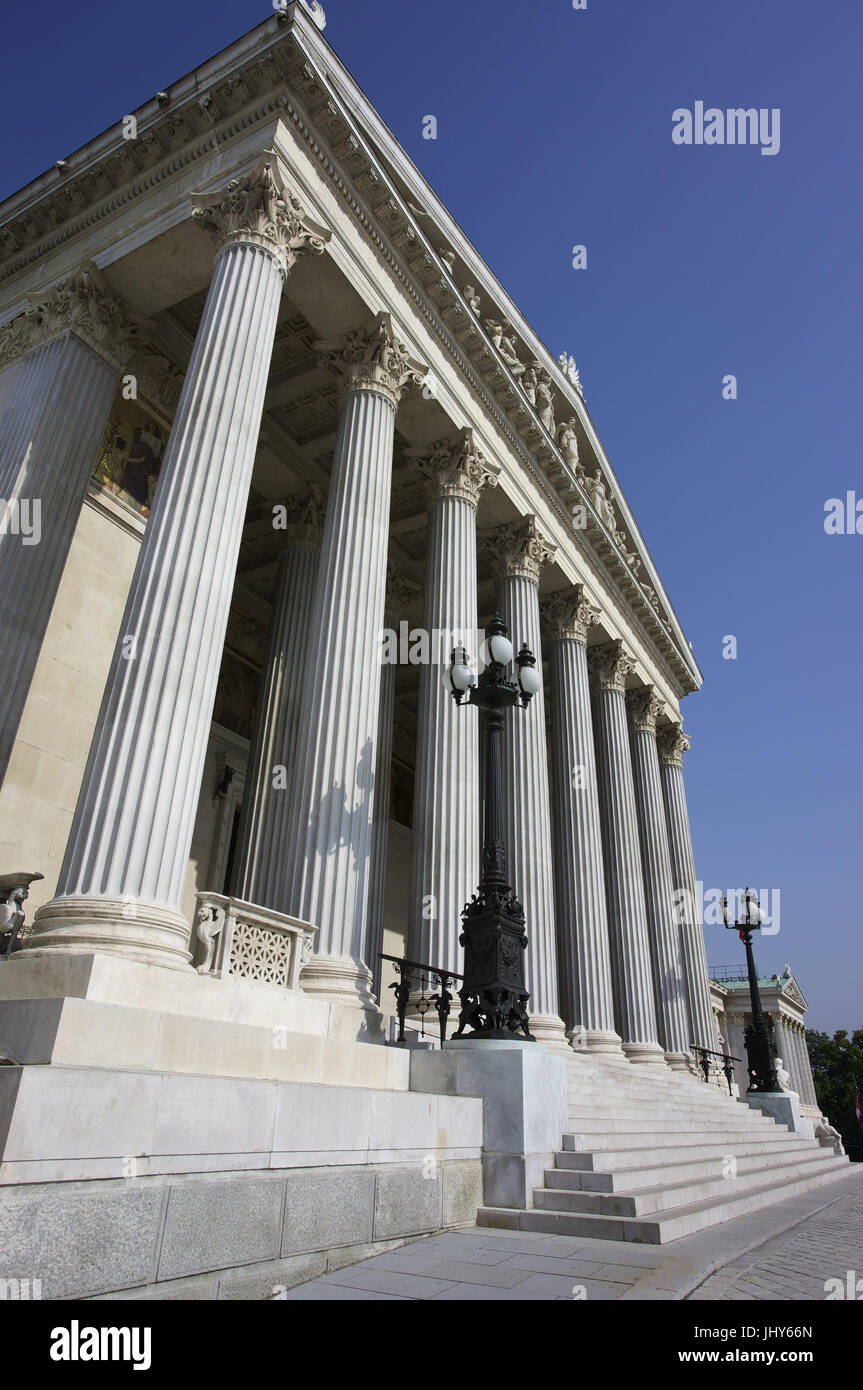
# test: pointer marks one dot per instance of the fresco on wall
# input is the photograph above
(130, 454)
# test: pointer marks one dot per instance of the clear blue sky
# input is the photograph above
(554, 128)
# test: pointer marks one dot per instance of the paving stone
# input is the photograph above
(492, 1276)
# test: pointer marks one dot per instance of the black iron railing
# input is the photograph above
(724, 1066)
(419, 979)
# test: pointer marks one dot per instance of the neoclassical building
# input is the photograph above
(273, 441)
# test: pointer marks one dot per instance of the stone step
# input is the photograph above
(653, 1174)
(669, 1225)
(629, 1124)
(633, 1156)
(705, 1098)
(664, 1196)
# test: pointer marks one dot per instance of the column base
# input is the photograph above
(679, 1061)
(346, 984)
(595, 1041)
(644, 1053)
(147, 932)
(550, 1030)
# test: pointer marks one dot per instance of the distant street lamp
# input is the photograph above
(756, 1037)
(494, 998)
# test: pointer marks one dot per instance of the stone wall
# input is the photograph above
(235, 1235)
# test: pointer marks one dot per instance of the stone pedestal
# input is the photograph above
(269, 787)
(669, 973)
(122, 879)
(582, 924)
(525, 1114)
(609, 665)
(445, 859)
(784, 1107)
(327, 857)
(49, 437)
(519, 554)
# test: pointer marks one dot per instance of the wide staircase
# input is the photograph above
(652, 1155)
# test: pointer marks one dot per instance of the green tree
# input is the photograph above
(837, 1067)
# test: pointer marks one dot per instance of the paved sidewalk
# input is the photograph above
(798, 1264)
(817, 1236)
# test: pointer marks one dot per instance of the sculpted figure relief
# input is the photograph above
(528, 385)
(472, 298)
(599, 497)
(566, 440)
(545, 402)
(506, 348)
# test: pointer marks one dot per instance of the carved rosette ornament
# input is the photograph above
(644, 707)
(672, 743)
(260, 210)
(83, 306)
(568, 615)
(401, 592)
(609, 665)
(519, 552)
(454, 467)
(304, 525)
(373, 358)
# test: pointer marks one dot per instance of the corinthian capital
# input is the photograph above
(83, 306)
(609, 665)
(373, 358)
(644, 707)
(672, 743)
(568, 615)
(519, 552)
(454, 467)
(258, 208)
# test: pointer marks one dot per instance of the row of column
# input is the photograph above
(605, 948)
(790, 1040)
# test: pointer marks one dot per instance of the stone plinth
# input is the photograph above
(525, 1113)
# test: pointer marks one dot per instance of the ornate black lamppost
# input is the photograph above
(756, 1037)
(494, 998)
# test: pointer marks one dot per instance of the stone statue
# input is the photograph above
(528, 385)
(506, 348)
(570, 371)
(472, 298)
(545, 403)
(566, 440)
(495, 331)
(599, 497)
(210, 921)
(828, 1137)
(782, 1076)
(448, 258)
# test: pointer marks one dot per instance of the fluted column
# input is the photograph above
(666, 948)
(519, 553)
(584, 954)
(123, 875)
(445, 856)
(797, 1032)
(327, 858)
(270, 782)
(609, 665)
(77, 339)
(672, 742)
(400, 592)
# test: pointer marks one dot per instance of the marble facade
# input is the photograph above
(346, 406)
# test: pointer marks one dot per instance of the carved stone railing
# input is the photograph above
(234, 938)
